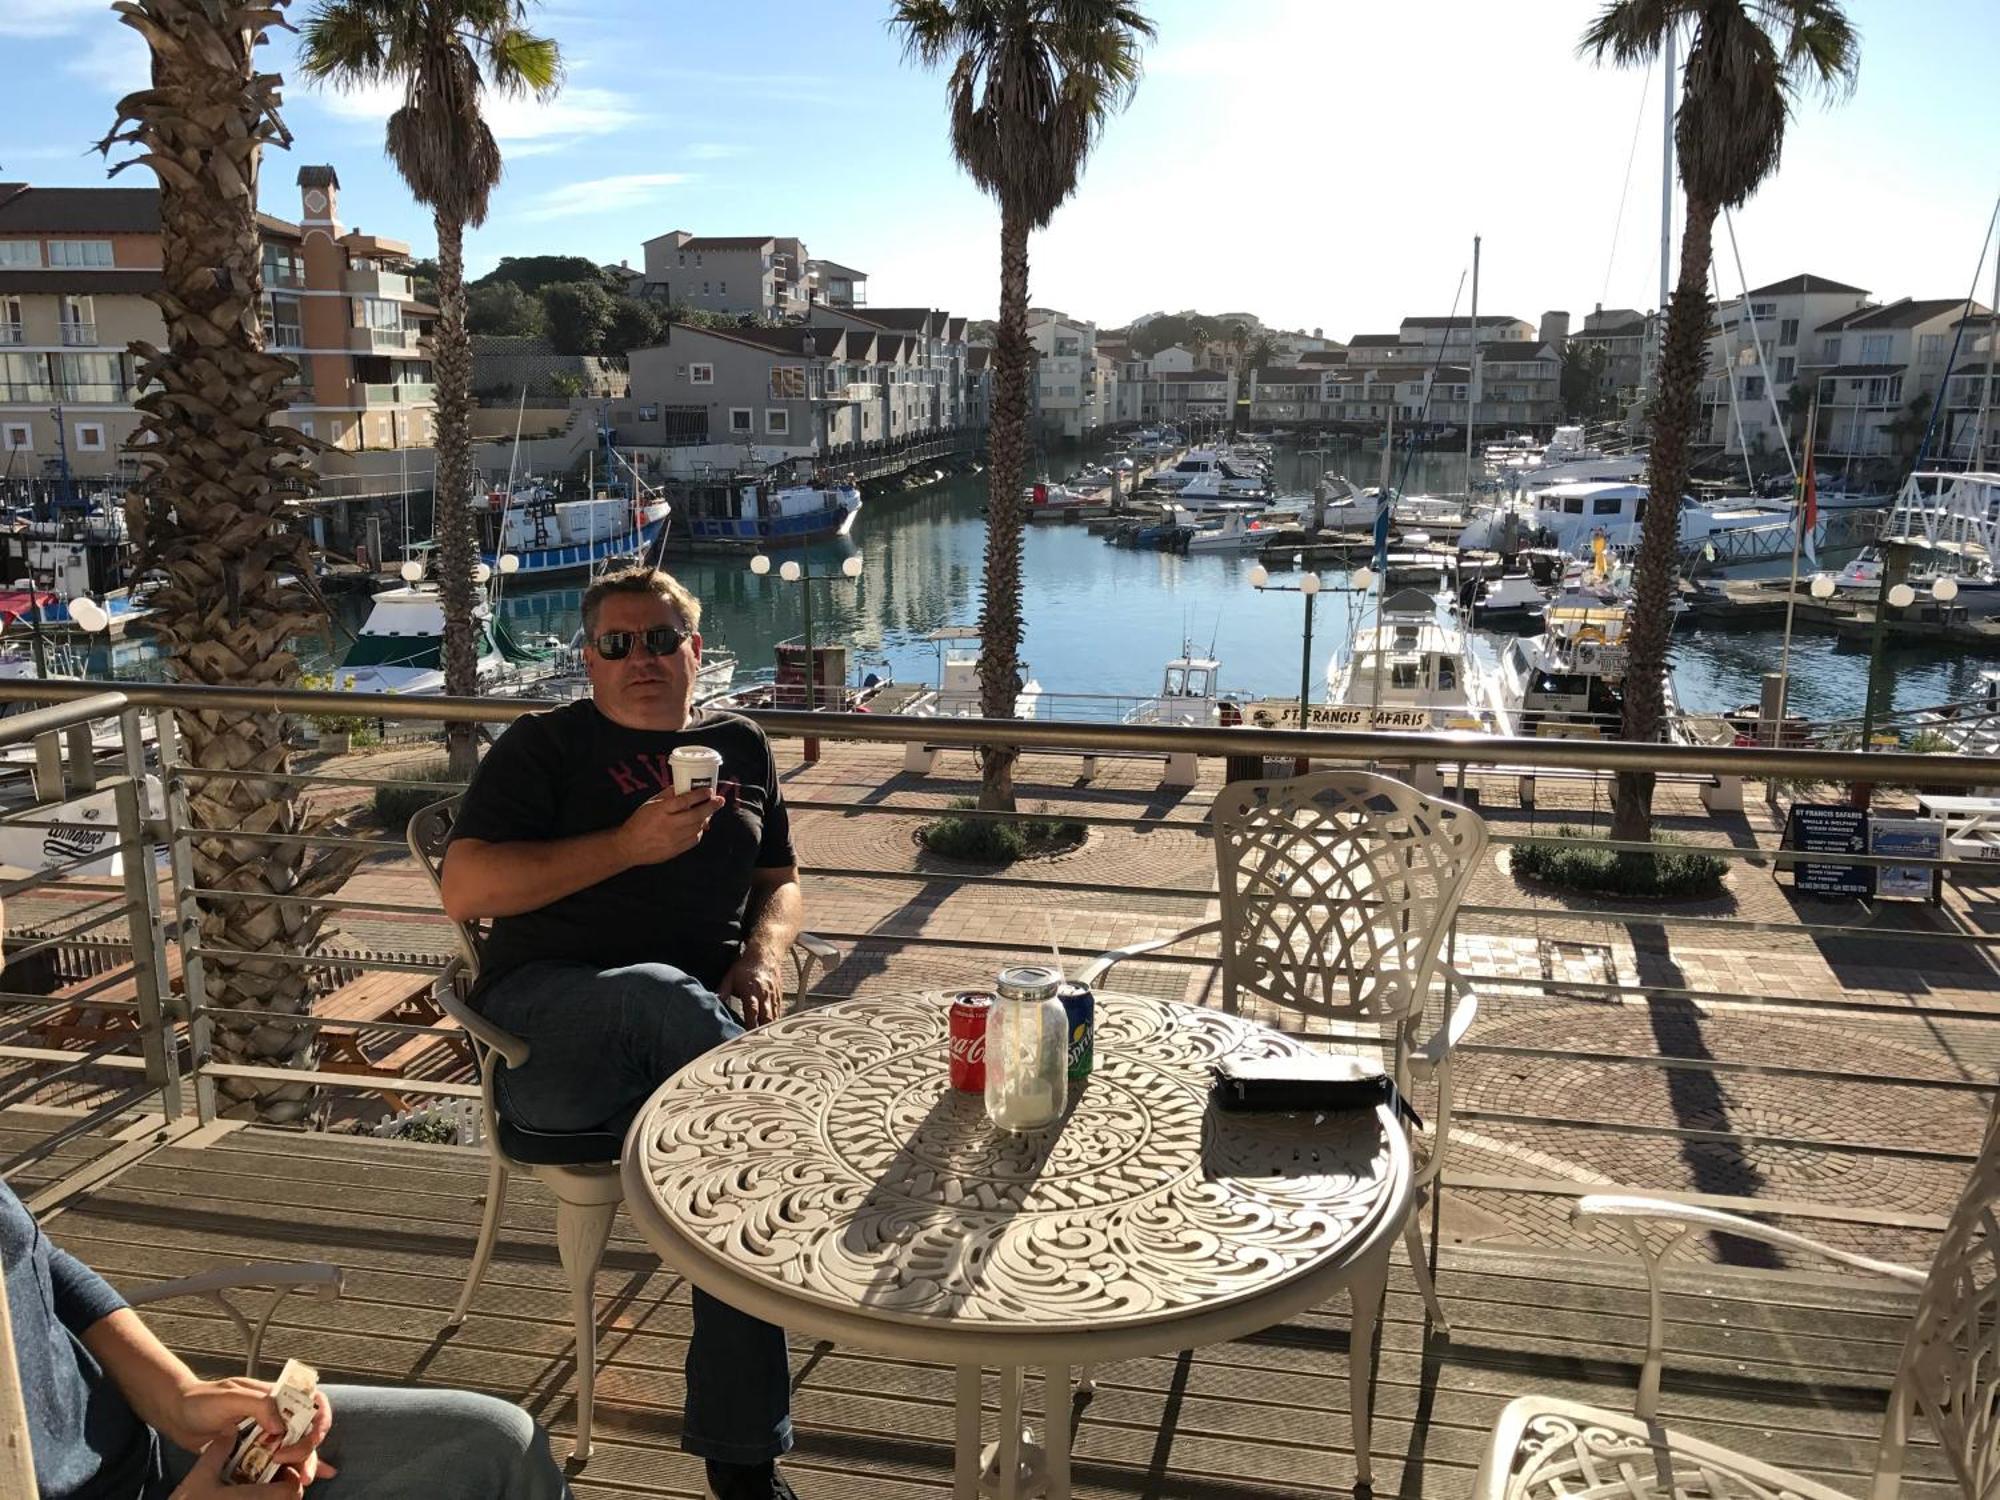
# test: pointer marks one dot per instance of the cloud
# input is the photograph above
(42, 18)
(571, 115)
(600, 195)
(114, 60)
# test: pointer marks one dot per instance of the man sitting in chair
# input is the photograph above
(627, 921)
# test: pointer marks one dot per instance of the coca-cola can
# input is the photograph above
(969, 1010)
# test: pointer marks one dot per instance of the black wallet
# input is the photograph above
(1319, 1084)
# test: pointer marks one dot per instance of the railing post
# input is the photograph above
(149, 956)
(180, 859)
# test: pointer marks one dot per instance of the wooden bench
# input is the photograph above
(395, 996)
(101, 1008)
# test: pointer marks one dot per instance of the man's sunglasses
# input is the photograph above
(661, 640)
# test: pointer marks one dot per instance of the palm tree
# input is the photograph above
(1033, 83)
(217, 476)
(443, 53)
(1748, 62)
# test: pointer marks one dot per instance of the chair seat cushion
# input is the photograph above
(552, 1148)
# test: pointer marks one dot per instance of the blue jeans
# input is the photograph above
(600, 1042)
(422, 1445)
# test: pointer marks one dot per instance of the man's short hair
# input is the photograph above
(640, 580)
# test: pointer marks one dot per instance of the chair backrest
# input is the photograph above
(1338, 890)
(1950, 1369)
(430, 836)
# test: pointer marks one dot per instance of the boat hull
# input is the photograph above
(583, 557)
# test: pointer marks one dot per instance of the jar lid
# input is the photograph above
(1028, 982)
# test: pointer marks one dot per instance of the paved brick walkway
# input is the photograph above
(1828, 1068)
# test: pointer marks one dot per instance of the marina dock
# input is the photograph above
(1732, 603)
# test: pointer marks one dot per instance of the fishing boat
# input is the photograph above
(957, 692)
(1409, 668)
(1235, 529)
(767, 508)
(1205, 472)
(1189, 696)
(554, 538)
(1569, 681)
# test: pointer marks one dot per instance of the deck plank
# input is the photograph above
(1793, 1367)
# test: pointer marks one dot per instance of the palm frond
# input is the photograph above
(1631, 32)
(1821, 48)
(344, 44)
(519, 62)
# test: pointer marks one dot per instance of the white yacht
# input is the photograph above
(1571, 515)
(1568, 458)
(400, 646)
(1218, 477)
(1409, 669)
(1239, 528)
(1569, 681)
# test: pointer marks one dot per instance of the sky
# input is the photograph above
(1319, 163)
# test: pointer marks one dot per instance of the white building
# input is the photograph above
(1795, 321)
(1067, 392)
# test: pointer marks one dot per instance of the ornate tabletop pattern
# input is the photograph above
(828, 1154)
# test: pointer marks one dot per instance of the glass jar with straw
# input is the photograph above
(1027, 1052)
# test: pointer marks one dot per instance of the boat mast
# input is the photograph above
(1472, 367)
(1992, 370)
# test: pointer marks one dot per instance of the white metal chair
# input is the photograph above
(1545, 1448)
(579, 1168)
(1338, 894)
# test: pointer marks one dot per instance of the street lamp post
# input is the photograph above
(791, 571)
(1309, 586)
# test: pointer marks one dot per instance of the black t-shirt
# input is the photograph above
(573, 771)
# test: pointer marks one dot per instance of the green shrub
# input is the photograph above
(396, 805)
(433, 1131)
(993, 841)
(1597, 871)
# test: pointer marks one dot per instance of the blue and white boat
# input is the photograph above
(554, 537)
(764, 512)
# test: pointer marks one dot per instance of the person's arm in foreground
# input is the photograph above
(775, 914)
(194, 1413)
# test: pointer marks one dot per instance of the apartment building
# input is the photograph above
(79, 267)
(1879, 371)
(1067, 393)
(1428, 335)
(822, 390)
(1183, 394)
(1970, 428)
(1622, 337)
(769, 277)
(1796, 322)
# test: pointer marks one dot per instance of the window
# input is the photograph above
(701, 374)
(1829, 350)
(722, 288)
(1788, 333)
(1787, 368)
(1875, 348)
(1753, 387)
(17, 255)
(681, 258)
(10, 321)
(306, 426)
(78, 319)
(17, 437)
(788, 382)
(25, 377)
(740, 419)
(1763, 309)
(777, 420)
(90, 437)
(90, 377)
(94, 254)
(282, 326)
(284, 266)
(381, 314)
(1605, 505)
(1930, 349)
(1573, 505)
(704, 289)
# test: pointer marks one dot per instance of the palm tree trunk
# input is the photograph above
(456, 552)
(210, 510)
(1007, 452)
(1683, 356)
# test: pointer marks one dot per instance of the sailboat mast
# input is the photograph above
(1972, 459)
(1472, 365)
(1667, 179)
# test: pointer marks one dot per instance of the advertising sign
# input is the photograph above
(1815, 829)
(1284, 714)
(1913, 838)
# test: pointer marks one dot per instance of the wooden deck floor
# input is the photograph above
(1790, 1368)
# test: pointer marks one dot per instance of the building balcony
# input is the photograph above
(395, 393)
(12, 333)
(854, 391)
(390, 285)
(79, 335)
(382, 340)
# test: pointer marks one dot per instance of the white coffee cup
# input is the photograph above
(695, 766)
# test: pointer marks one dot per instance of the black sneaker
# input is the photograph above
(747, 1482)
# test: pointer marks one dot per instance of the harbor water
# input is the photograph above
(1101, 621)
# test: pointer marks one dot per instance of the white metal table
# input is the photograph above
(822, 1174)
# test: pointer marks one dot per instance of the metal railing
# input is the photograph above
(176, 1058)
